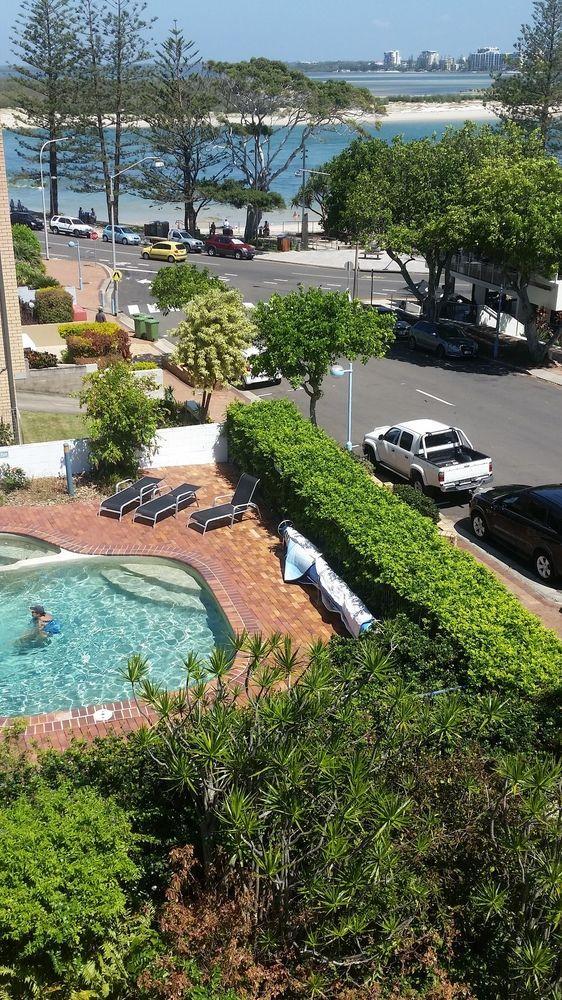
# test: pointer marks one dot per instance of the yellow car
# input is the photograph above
(165, 250)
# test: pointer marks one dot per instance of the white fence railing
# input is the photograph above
(202, 444)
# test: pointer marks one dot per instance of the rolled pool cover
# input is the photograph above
(304, 562)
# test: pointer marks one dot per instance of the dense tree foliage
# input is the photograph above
(212, 340)
(122, 419)
(532, 97)
(301, 334)
(174, 287)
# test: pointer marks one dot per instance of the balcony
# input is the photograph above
(485, 271)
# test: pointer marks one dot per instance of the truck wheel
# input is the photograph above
(55, 230)
(412, 343)
(543, 565)
(417, 483)
(371, 455)
(479, 526)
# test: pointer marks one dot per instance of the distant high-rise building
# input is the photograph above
(448, 64)
(486, 60)
(392, 59)
(428, 59)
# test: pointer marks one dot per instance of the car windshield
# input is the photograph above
(451, 333)
(129, 232)
(185, 235)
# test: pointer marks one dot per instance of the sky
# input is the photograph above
(304, 30)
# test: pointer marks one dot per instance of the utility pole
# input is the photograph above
(496, 349)
(304, 213)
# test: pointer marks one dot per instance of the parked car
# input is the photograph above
(432, 456)
(192, 245)
(70, 226)
(528, 519)
(446, 340)
(25, 219)
(250, 378)
(401, 327)
(165, 250)
(229, 246)
(123, 235)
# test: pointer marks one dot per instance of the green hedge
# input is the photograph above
(381, 547)
(53, 305)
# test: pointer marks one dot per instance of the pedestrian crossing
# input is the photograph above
(150, 308)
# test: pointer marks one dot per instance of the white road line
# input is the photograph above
(284, 280)
(269, 282)
(262, 394)
(229, 275)
(438, 398)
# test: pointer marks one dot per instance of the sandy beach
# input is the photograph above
(467, 111)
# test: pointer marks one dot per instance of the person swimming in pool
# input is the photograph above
(44, 626)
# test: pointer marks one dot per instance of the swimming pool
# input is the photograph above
(109, 608)
(14, 548)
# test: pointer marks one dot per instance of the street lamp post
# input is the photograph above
(77, 245)
(112, 177)
(338, 372)
(304, 216)
(61, 138)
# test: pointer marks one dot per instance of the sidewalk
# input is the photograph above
(320, 256)
(94, 276)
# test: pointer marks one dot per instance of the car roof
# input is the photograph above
(422, 426)
(552, 494)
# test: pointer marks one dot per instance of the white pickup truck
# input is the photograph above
(432, 456)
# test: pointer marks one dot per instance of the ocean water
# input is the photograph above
(391, 83)
(108, 608)
(322, 147)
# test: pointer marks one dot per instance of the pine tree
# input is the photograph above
(533, 97)
(181, 133)
(109, 98)
(44, 41)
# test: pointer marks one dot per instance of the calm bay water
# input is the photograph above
(321, 148)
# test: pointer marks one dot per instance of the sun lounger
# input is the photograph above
(127, 497)
(167, 503)
(239, 503)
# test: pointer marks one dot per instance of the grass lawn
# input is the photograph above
(38, 426)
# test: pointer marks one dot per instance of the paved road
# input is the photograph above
(257, 279)
(514, 418)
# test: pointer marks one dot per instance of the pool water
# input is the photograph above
(108, 608)
(14, 548)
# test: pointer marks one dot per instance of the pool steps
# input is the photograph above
(137, 585)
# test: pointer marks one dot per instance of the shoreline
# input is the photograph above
(397, 112)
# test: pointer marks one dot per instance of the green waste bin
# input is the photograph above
(151, 328)
(140, 329)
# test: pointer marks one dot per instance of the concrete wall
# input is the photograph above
(198, 445)
(67, 379)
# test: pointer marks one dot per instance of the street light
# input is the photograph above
(338, 372)
(158, 163)
(77, 245)
(62, 138)
(304, 214)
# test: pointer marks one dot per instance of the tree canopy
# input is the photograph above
(174, 287)
(301, 334)
(212, 340)
(532, 97)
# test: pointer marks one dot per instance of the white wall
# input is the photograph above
(198, 445)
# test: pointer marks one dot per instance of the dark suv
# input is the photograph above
(25, 219)
(528, 518)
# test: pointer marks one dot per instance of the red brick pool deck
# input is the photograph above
(241, 565)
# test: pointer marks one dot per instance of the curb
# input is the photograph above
(332, 267)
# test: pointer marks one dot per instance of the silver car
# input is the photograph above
(123, 235)
(445, 340)
(192, 245)
(70, 226)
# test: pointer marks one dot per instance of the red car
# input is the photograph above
(229, 246)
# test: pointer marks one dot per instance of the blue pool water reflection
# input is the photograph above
(109, 608)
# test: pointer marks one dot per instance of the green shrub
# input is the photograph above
(33, 277)
(65, 867)
(13, 478)
(418, 501)
(27, 246)
(387, 552)
(94, 340)
(53, 305)
(40, 359)
(6, 432)
(141, 366)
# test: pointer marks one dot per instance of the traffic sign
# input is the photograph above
(117, 275)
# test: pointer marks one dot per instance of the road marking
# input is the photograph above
(229, 275)
(269, 282)
(262, 394)
(438, 398)
(143, 281)
(284, 280)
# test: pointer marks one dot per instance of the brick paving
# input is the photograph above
(241, 565)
